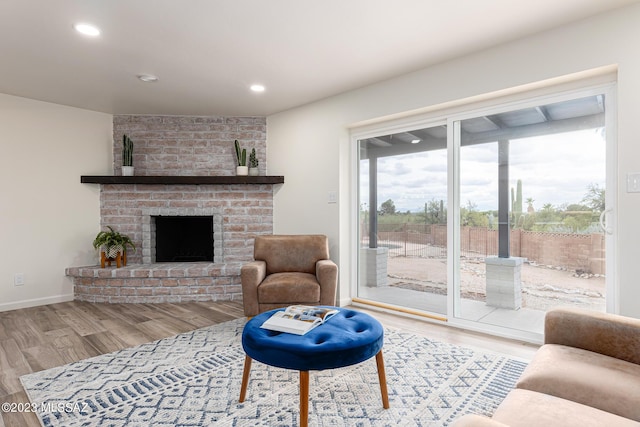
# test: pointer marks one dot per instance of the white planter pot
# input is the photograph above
(242, 170)
(127, 171)
(253, 171)
(112, 251)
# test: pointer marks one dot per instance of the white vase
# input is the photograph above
(127, 171)
(253, 171)
(242, 170)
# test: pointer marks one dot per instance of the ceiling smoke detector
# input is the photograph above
(147, 78)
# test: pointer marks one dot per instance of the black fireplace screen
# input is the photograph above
(184, 238)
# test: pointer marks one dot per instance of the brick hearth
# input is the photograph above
(179, 146)
(158, 283)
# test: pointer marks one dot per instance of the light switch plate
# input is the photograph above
(333, 197)
(633, 183)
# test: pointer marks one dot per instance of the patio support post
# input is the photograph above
(504, 285)
(373, 202)
(504, 228)
(373, 260)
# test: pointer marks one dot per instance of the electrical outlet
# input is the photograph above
(18, 279)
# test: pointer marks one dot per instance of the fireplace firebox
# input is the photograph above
(184, 238)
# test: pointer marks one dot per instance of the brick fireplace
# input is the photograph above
(180, 146)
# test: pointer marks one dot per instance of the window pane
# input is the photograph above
(403, 219)
(532, 186)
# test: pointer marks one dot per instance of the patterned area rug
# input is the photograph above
(194, 379)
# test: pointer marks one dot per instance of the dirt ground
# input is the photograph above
(543, 287)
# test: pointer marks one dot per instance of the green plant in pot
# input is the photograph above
(241, 159)
(113, 245)
(127, 156)
(253, 163)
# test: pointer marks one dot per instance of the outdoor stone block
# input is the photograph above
(504, 284)
(373, 266)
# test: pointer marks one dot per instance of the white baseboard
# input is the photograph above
(35, 302)
(343, 302)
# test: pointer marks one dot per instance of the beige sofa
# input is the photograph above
(586, 374)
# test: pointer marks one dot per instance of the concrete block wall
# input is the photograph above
(504, 284)
(373, 266)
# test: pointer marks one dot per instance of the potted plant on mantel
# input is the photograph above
(241, 160)
(127, 156)
(113, 247)
(253, 163)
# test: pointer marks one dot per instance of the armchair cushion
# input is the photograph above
(292, 288)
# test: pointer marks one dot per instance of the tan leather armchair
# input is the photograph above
(288, 269)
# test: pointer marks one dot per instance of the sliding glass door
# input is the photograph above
(532, 189)
(491, 217)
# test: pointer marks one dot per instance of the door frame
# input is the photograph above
(599, 83)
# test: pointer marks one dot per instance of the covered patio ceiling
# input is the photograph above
(567, 116)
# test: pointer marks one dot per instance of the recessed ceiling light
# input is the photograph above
(415, 141)
(148, 78)
(257, 88)
(87, 29)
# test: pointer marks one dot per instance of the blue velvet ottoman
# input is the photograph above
(347, 338)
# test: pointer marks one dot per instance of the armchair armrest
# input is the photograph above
(327, 275)
(608, 334)
(251, 275)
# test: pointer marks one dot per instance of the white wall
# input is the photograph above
(47, 218)
(310, 145)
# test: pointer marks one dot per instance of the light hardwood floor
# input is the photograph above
(44, 337)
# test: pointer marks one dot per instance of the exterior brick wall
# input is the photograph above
(585, 252)
(170, 146)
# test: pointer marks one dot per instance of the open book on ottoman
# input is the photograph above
(298, 319)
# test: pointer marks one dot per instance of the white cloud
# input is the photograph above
(554, 169)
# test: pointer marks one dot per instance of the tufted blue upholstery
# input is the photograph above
(347, 338)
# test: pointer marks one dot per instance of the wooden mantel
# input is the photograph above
(181, 180)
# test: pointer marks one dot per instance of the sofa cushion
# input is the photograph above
(475, 420)
(582, 376)
(525, 408)
(299, 288)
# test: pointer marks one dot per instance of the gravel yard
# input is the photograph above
(543, 287)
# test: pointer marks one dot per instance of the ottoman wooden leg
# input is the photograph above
(304, 398)
(245, 378)
(382, 377)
